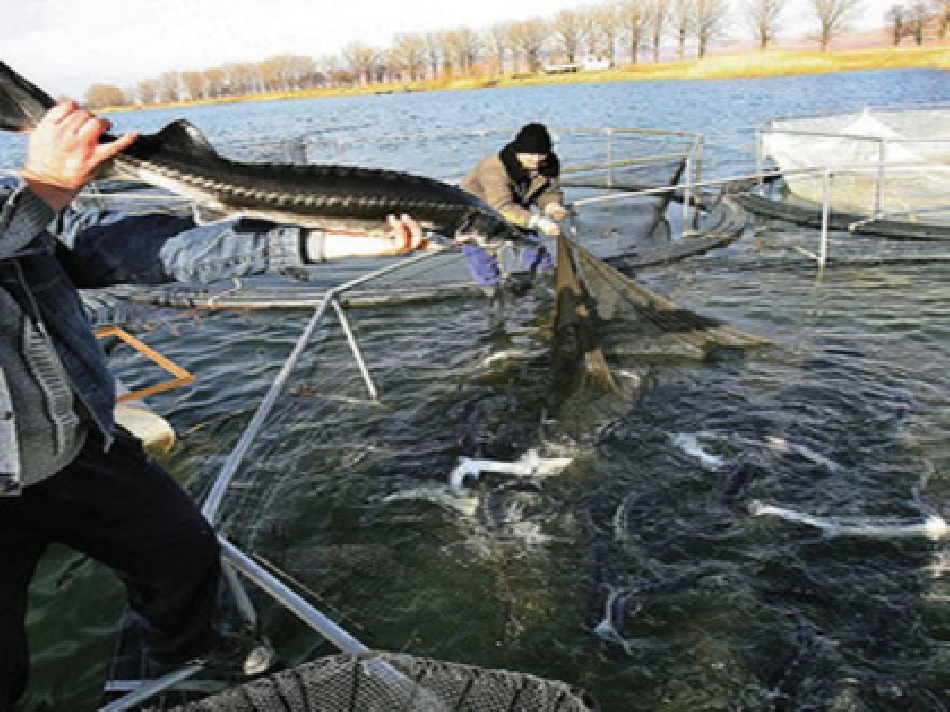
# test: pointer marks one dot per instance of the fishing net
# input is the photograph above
(903, 155)
(602, 316)
(384, 682)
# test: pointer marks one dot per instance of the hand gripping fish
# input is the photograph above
(181, 159)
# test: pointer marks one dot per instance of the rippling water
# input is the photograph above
(639, 572)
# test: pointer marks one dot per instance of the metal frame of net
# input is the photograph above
(387, 682)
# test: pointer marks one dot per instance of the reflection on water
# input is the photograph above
(639, 571)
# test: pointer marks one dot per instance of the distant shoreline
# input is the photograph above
(740, 65)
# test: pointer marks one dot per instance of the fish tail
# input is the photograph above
(22, 104)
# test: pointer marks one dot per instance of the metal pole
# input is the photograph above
(879, 191)
(610, 170)
(151, 688)
(825, 210)
(687, 191)
(354, 347)
(290, 600)
(213, 502)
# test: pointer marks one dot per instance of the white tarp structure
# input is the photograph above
(882, 143)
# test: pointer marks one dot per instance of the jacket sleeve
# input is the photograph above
(100, 248)
(23, 219)
(550, 195)
(497, 192)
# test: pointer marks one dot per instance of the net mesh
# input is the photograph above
(384, 682)
(892, 144)
(602, 317)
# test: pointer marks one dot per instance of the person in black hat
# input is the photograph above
(522, 176)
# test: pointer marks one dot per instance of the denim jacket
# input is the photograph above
(45, 258)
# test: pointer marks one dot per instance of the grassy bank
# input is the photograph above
(767, 63)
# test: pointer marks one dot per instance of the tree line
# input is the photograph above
(629, 30)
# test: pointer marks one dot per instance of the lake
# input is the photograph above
(845, 414)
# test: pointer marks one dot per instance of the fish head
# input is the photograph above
(488, 230)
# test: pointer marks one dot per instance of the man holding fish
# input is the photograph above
(68, 473)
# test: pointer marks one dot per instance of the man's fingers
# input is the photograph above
(61, 111)
(414, 230)
(106, 151)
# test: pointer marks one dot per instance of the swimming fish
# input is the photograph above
(182, 160)
(932, 525)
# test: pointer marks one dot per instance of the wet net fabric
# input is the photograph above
(385, 682)
(602, 317)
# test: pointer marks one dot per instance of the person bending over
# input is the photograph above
(522, 176)
(68, 473)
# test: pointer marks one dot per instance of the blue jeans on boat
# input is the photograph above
(122, 509)
(483, 265)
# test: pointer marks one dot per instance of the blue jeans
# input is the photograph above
(483, 265)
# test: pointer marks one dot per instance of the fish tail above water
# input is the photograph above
(22, 104)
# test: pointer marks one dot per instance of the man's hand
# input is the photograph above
(546, 226)
(555, 211)
(406, 233)
(64, 153)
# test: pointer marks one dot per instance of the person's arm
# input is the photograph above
(63, 154)
(497, 190)
(551, 201)
(101, 248)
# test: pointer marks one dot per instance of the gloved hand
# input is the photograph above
(546, 226)
(555, 211)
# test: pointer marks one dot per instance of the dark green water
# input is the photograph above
(846, 414)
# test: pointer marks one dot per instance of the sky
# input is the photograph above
(66, 45)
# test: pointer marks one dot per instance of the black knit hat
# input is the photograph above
(532, 138)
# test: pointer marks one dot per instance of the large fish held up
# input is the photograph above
(180, 158)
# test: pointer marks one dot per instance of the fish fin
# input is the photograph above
(180, 137)
(22, 104)
(208, 215)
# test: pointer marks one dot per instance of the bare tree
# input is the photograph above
(362, 61)
(710, 15)
(241, 78)
(99, 96)
(529, 37)
(147, 91)
(193, 85)
(918, 15)
(942, 8)
(468, 47)
(633, 18)
(167, 86)
(409, 52)
(602, 31)
(496, 41)
(215, 82)
(446, 42)
(681, 17)
(896, 16)
(832, 16)
(657, 22)
(568, 30)
(763, 19)
(433, 53)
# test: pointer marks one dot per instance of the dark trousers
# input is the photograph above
(124, 510)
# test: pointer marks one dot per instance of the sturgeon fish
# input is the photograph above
(182, 160)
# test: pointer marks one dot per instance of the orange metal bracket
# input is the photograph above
(182, 376)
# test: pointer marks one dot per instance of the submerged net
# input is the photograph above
(603, 316)
(384, 682)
